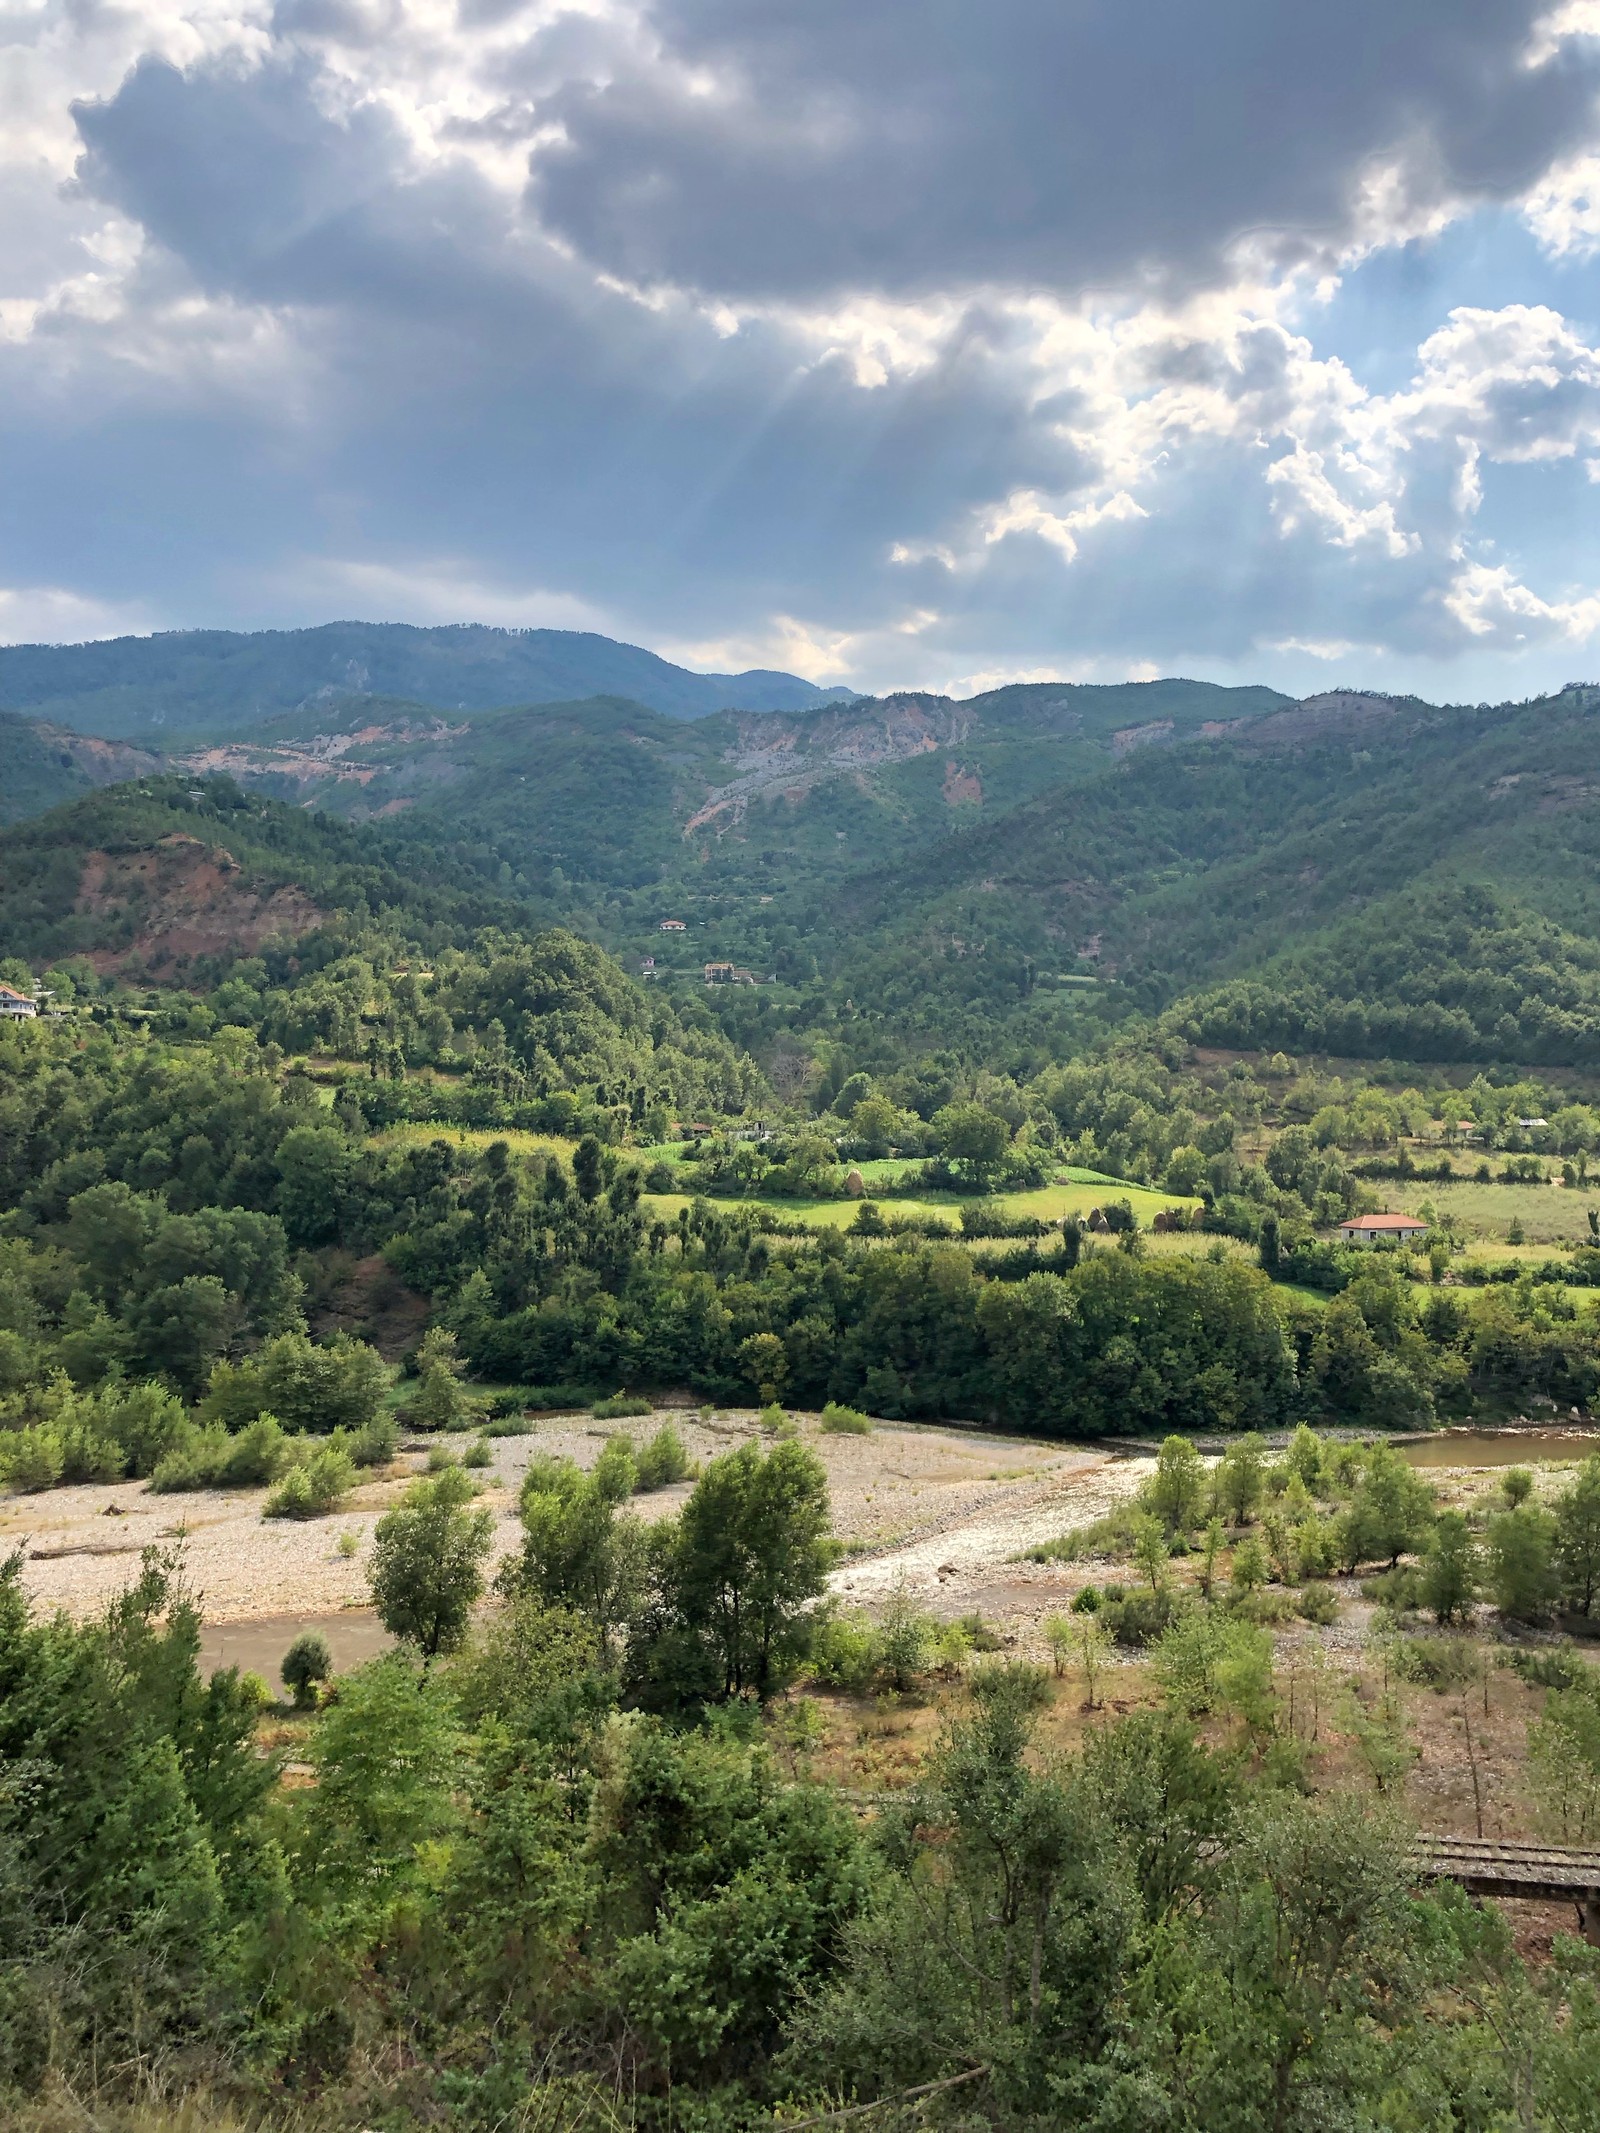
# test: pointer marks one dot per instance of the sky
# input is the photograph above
(893, 342)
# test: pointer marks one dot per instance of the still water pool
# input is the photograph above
(1500, 1447)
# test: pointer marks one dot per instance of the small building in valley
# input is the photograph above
(17, 1006)
(1382, 1229)
(673, 925)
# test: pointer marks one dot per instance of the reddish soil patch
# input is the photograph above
(185, 899)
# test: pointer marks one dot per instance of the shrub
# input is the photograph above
(1437, 1663)
(478, 1454)
(1557, 1669)
(1113, 1536)
(843, 1651)
(1086, 1601)
(663, 1460)
(1140, 1618)
(616, 1471)
(314, 1486)
(348, 1545)
(906, 1639)
(1317, 1604)
(255, 1456)
(30, 1459)
(979, 1635)
(441, 1458)
(373, 1444)
(306, 1663)
(619, 1407)
(1400, 1590)
(843, 1421)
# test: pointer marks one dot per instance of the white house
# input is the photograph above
(1382, 1229)
(17, 1006)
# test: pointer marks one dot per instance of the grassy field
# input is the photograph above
(1075, 1193)
(1048, 1202)
(1549, 1214)
(520, 1143)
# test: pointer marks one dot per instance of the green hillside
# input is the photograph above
(42, 765)
(1438, 866)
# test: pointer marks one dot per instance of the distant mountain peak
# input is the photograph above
(217, 681)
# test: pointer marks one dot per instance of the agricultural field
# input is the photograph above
(1549, 1214)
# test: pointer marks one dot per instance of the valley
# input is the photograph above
(486, 1361)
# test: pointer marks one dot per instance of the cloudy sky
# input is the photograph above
(890, 341)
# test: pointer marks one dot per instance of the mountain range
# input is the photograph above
(1353, 873)
(219, 681)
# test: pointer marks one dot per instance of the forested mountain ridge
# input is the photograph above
(617, 795)
(1332, 851)
(205, 681)
(42, 765)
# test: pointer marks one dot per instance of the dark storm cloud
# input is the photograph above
(804, 147)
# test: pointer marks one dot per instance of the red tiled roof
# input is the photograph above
(1384, 1222)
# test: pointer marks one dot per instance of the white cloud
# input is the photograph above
(436, 590)
(53, 614)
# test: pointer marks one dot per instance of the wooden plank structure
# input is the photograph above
(1495, 1866)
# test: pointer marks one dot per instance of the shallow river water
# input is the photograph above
(1500, 1447)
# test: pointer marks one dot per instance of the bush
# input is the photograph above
(314, 1486)
(843, 1652)
(1317, 1604)
(306, 1663)
(843, 1421)
(616, 1471)
(663, 1460)
(254, 1457)
(1086, 1601)
(1113, 1536)
(620, 1407)
(1557, 1669)
(374, 1443)
(211, 1458)
(1400, 1590)
(31, 1459)
(1437, 1663)
(1140, 1618)
(478, 1454)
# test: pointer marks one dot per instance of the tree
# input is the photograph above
(1389, 1512)
(765, 1362)
(1093, 1641)
(1577, 1515)
(1522, 1563)
(307, 1662)
(427, 1563)
(972, 1140)
(1249, 1565)
(1240, 1478)
(578, 1550)
(1150, 1549)
(1177, 1487)
(752, 1553)
(1060, 1633)
(440, 1401)
(1450, 1572)
(588, 1172)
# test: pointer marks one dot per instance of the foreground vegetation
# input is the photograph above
(575, 1862)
